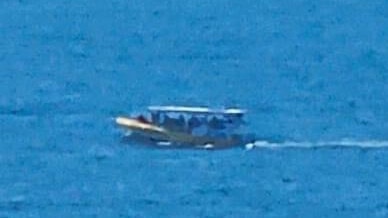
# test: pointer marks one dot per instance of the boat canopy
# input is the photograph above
(196, 110)
(190, 119)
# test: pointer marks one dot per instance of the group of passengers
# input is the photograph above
(192, 124)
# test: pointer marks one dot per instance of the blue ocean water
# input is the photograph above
(312, 74)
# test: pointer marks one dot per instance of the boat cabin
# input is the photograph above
(197, 120)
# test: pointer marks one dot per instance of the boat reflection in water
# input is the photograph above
(187, 127)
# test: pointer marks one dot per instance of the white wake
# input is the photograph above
(319, 144)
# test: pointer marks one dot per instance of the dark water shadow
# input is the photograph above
(148, 143)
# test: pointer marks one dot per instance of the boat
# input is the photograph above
(187, 126)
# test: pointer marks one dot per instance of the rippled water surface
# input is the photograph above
(312, 75)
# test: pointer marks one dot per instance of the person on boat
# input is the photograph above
(142, 119)
(155, 118)
(216, 123)
(193, 122)
(181, 121)
(171, 123)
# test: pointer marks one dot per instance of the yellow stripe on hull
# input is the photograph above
(160, 133)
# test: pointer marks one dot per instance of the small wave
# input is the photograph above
(319, 144)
